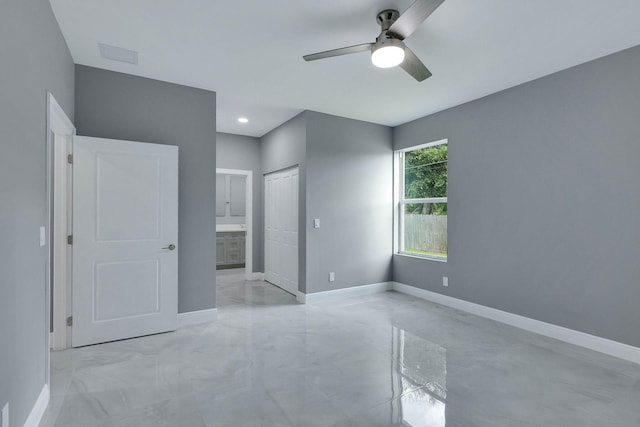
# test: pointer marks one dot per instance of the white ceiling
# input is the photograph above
(250, 52)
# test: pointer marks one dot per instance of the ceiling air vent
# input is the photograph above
(118, 54)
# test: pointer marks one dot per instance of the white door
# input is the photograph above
(281, 229)
(125, 236)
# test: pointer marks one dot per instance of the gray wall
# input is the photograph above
(346, 182)
(35, 59)
(243, 152)
(544, 199)
(282, 148)
(121, 106)
(349, 188)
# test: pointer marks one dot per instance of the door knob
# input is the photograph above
(170, 247)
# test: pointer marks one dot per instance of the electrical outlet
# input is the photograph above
(332, 276)
(445, 281)
(4, 422)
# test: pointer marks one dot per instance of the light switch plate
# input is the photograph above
(445, 281)
(316, 223)
(332, 276)
(43, 236)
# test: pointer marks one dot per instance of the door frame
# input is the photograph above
(58, 125)
(62, 252)
(248, 256)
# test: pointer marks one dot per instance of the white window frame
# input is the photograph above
(399, 201)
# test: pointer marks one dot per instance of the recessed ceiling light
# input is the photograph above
(243, 120)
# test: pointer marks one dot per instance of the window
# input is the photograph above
(421, 197)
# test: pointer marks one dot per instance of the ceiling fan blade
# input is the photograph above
(414, 66)
(411, 18)
(338, 52)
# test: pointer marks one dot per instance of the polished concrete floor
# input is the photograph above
(381, 360)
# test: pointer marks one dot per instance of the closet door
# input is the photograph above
(281, 229)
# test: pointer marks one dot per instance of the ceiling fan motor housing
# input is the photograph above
(386, 18)
(385, 39)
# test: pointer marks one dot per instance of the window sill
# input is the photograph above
(425, 257)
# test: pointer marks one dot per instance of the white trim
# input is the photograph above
(428, 258)
(424, 200)
(419, 146)
(398, 229)
(301, 297)
(592, 342)
(35, 416)
(248, 256)
(343, 293)
(62, 252)
(255, 276)
(192, 318)
(57, 124)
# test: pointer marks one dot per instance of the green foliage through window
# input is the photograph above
(425, 176)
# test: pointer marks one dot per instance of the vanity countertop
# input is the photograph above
(222, 228)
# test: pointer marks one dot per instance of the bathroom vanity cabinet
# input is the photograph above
(230, 249)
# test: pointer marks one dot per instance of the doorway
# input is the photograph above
(234, 220)
(121, 247)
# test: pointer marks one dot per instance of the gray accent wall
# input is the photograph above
(544, 196)
(243, 152)
(122, 106)
(346, 182)
(35, 59)
(350, 189)
(283, 148)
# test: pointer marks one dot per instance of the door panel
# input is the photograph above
(125, 216)
(128, 214)
(125, 289)
(281, 229)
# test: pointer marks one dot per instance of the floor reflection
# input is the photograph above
(419, 377)
(268, 361)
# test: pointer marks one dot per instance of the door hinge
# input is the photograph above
(70, 159)
(70, 240)
(70, 321)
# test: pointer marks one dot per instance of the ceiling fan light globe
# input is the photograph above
(387, 56)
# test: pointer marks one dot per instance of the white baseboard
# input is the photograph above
(592, 342)
(255, 276)
(35, 416)
(343, 293)
(191, 318)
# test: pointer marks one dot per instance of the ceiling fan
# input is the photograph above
(389, 49)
